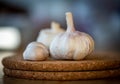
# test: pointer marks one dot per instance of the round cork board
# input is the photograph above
(62, 75)
(95, 61)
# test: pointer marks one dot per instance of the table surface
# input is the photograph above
(9, 80)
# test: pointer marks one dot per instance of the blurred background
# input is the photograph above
(21, 21)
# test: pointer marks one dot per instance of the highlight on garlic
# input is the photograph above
(36, 51)
(47, 35)
(72, 44)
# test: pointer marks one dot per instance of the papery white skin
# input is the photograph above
(35, 51)
(47, 35)
(71, 44)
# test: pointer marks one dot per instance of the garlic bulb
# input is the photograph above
(47, 35)
(35, 51)
(72, 44)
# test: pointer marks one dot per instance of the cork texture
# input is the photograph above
(62, 75)
(92, 62)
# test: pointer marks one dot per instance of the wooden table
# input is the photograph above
(9, 80)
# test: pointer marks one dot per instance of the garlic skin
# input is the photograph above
(35, 51)
(47, 35)
(72, 44)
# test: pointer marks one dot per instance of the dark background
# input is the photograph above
(99, 18)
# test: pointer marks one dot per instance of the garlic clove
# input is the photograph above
(36, 51)
(47, 35)
(71, 44)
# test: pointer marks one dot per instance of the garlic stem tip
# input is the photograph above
(55, 26)
(68, 13)
(70, 24)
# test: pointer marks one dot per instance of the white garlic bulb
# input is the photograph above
(47, 35)
(35, 51)
(72, 44)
